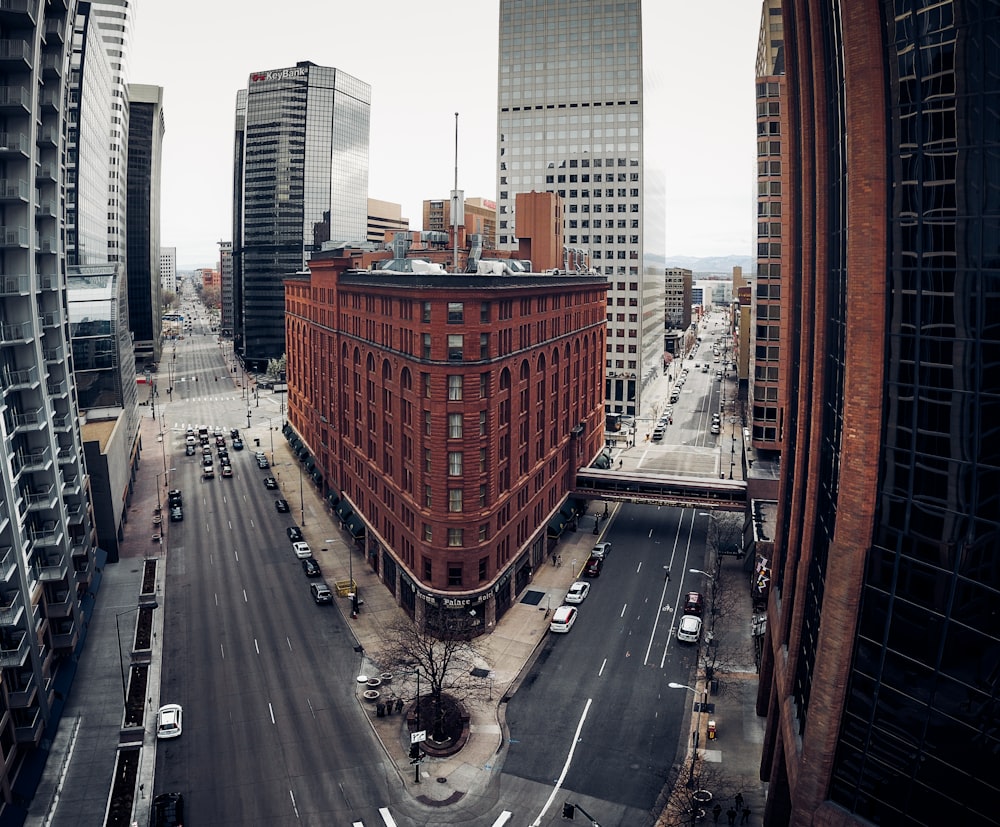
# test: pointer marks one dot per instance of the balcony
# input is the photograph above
(49, 281)
(65, 455)
(14, 651)
(11, 609)
(31, 461)
(12, 10)
(13, 191)
(15, 99)
(47, 172)
(56, 388)
(61, 422)
(19, 380)
(13, 144)
(8, 563)
(52, 66)
(48, 136)
(71, 484)
(76, 512)
(22, 691)
(14, 237)
(60, 606)
(51, 318)
(47, 244)
(64, 634)
(54, 30)
(52, 355)
(23, 422)
(29, 732)
(15, 334)
(53, 570)
(50, 99)
(13, 52)
(15, 285)
(45, 535)
(46, 209)
(42, 498)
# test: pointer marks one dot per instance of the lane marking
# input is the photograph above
(601, 670)
(255, 646)
(503, 818)
(295, 809)
(271, 710)
(623, 611)
(569, 759)
(386, 817)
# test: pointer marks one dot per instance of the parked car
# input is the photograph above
(310, 565)
(282, 506)
(689, 629)
(593, 567)
(167, 810)
(321, 592)
(302, 549)
(715, 428)
(563, 619)
(578, 592)
(294, 533)
(176, 514)
(694, 604)
(263, 463)
(174, 496)
(601, 550)
(169, 721)
(270, 483)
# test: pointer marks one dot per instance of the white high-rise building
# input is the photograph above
(571, 119)
(168, 268)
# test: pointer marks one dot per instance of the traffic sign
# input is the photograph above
(418, 736)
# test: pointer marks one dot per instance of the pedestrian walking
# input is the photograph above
(731, 815)
(739, 801)
(746, 815)
(716, 813)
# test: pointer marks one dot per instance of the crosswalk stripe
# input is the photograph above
(386, 817)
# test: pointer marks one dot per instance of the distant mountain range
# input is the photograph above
(712, 265)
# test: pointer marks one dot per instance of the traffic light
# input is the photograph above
(414, 750)
(569, 810)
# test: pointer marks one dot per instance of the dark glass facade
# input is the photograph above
(302, 180)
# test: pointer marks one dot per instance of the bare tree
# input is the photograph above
(687, 802)
(443, 656)
(725, 534)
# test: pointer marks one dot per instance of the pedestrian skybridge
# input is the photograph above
(654, 488)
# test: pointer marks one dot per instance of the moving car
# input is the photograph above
(578, 592)
(167, 810)
(601, 550)
(321, 592)
(563, 619)
(176, 513)
(310, 565)
(262, 463)
(270, 482)
(237, 444)
(593, 567)
(169, 721)
(294, 533)
(234, 433)
(227, 471)
(282, 506)
(689, 629)
(302, 550)
(189, 450)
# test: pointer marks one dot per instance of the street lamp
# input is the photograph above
(697, 732)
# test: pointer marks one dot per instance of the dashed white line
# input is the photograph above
(623, 610)
(387, 817)
(255, 646)
(503, 818)
(295, 809)
(601, 670)
(271, 710)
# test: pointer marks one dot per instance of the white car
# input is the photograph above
(169, 721)
(302, 550)
(578, 592)
(563, 619)
(601, 550)
(689, 629)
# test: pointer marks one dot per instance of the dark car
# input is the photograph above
(270, 482)
(234, 433)
(237, 444)
(294, 533)
(220, 442)
(311, 567)
(174, 496)
(176, 514)
(262, 463)
(167, 810)
(282, 506)
(694, 604)
(593, 567)
(189, 450)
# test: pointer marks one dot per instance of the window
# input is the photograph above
(428, 497)
(428, 569)
(484, 385)
(454, 426)
(484, 566)
(455, 538)
(482, 423)
(484, 345)
(428, 533)
(484, 532)
(454, 387)
(454, 569)
(427, 460)
(455, 341)
(426, 318)
(427, 423)
(484, 313)
(456, 312)
(455, 464)
(455, 500)
(427, 345)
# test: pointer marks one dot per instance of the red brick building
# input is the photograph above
(445, 417)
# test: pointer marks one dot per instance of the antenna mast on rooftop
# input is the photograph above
(457, 203)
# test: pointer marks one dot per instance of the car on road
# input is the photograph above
(563, 619)
(694, 603)
(234, 433)
(227, 471)
(601, 550)
(281, 506)
(270, 483)
(321, 592)
(167, 810)
(169, 721)
(593, 567)
(220, 442)
(294, 533)
(189, 450)
(310, 565)
(176, 513)
(174, 496)
(237, 444)
(302, 549)
(578, 592)
(689, 629)
(263, 464)
(715, 428)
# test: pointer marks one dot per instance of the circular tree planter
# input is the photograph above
(374, 683)
(386, 677)
(371, 695)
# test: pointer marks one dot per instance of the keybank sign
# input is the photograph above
(280, 74)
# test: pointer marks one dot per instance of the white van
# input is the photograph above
(658, 433)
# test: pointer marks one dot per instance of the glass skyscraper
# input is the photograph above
(572, 119)
(301, 179)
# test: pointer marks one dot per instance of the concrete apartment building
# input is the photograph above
(882, 661)
(168, 269)
(583, 133)
(479, 218)
(47, 536)
(444, 418)
(384, 217)
(226, 288)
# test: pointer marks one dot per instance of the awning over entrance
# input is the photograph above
(567, 512)
(556, 525)
(344, 511)
(355, 526)
(310, 463)
(332, 497)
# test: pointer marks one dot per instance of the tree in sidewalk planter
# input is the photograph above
(444, 655)
(679, 798)
(276, 368)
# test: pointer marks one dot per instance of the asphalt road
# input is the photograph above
(272, 733)
(594, 716)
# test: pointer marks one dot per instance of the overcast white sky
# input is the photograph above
(202, 52)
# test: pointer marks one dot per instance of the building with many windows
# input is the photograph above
(47, 538)
(168, 269)
(384, 217)
(300, 180)
(445, 417)
(881, 670)
(572, 119)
